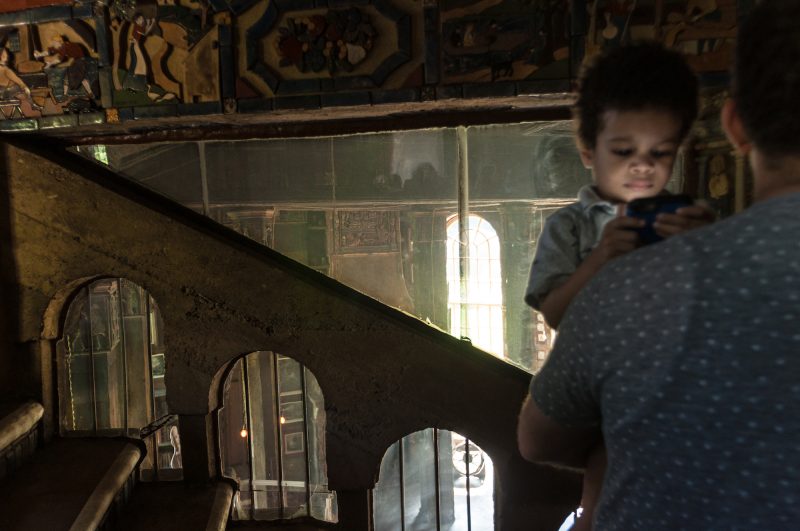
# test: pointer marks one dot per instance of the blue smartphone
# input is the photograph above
(647, 208)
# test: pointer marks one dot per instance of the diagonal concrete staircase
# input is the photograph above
(384, 373)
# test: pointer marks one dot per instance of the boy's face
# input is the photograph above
(634, 153)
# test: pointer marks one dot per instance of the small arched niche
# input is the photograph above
(111, 372)
(434, 479)
(272, 440)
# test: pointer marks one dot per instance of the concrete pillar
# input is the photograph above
(355, 509)
(198, 447)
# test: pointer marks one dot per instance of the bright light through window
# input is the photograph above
(476, 311)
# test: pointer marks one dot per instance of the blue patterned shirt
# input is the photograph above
(687, 354)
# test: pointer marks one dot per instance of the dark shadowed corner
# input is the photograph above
(9, 311)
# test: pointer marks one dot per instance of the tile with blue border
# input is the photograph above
(543, 86)
(389, 65)
(55, 122)
(265, 74)
(395, 96)
(83, 11)
(15, 18)
(297, 102)
(353, 82)
(29, 124)
(125, 114)
(197, 109)
(446, 92)
(298, 86)
(388, 10)
(49, 14)
(238, 7)
(155, 111)
(254, 105)
(404, 35)
(489, 90)
(91, 118)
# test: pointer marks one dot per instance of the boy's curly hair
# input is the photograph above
(766, 78)
(635, 77)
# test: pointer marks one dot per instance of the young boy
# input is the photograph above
(635, 107)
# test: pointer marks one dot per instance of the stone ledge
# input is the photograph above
(69, 486)
(18, 422)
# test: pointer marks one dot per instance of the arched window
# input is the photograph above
(272, 436)
(434, 479)
(476, 306)
(111, 372)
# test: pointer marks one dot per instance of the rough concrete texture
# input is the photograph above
(9, 318)
(49, 492)
(384, 374)
(163, 506)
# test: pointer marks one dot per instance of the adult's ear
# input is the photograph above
(734, 128)
(587, 155)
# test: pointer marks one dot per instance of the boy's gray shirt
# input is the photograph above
(568, 236)
(687, 354)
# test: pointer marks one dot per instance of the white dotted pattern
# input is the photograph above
(687, 353)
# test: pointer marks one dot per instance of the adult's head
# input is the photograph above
(636, 77)
(766, 79)
(763, 119)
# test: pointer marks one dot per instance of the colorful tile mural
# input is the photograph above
(487, 40)
(703, 29)
(70, 62)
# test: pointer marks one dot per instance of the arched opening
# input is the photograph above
(434, 480)
(475, 302)
(272, 439)
(111, 371)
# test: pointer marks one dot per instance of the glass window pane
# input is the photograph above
(136, 347)
(108, 362)
(76, 389)
(272, 439)
(292, 436)
(261, 172)
(323, 502)
(474, 486)
(478, 308)
(264, 435)
(450, 506)
(387, 496)
(172, 169)
(111, 367)
(404, 165)
(419, 481)
(465, 484)
(358, 206)
(233, 439)
(168, 441)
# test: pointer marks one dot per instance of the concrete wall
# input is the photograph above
(384, 374)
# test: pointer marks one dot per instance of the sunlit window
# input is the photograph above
(476, 304)
(434, 479)
(289, 194)
(111, 370)
(272, 436)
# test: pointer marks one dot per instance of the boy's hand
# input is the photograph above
(685, 218)
(618, 238)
